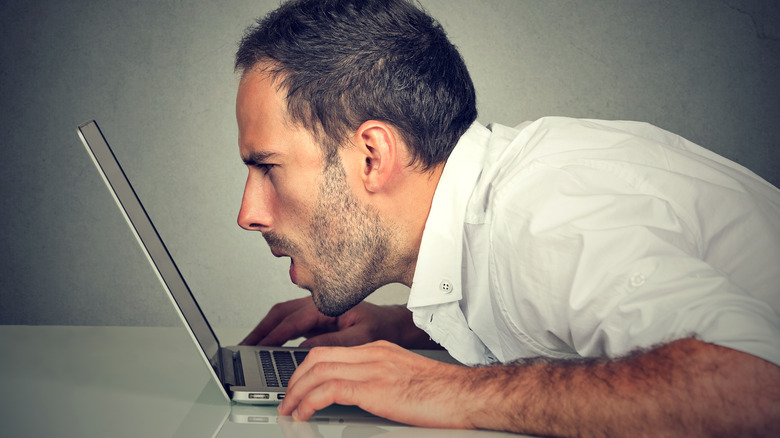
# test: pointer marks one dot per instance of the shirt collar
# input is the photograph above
(437, 275)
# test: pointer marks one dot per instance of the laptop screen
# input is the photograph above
(150, 240)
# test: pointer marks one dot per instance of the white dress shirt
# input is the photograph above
(577, 238)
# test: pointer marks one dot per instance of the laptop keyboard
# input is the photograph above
(278, 366)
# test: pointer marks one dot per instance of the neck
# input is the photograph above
(412, 207)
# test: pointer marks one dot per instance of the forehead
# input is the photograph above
(263, 125)
(259, 101)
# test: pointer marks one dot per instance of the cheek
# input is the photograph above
(293, 203)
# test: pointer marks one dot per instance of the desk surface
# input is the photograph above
(146, 382)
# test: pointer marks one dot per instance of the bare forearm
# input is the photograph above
(686, 388)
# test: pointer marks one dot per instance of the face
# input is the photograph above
(304, 205)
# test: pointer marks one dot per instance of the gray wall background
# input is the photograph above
(157, 75)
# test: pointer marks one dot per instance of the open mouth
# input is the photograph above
(293, 274)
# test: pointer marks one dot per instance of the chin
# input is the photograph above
(333, 303)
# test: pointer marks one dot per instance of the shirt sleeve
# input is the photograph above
(588, 261)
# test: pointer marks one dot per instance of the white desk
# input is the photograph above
(146, 382)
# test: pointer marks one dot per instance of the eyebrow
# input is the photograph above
(256, 158)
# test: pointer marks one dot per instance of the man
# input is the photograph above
(609, 278)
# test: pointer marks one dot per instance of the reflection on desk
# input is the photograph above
(146, 382)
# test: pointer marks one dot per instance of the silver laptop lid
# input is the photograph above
(150, 241)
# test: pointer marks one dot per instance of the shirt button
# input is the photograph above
(446, 286)
(637, 280)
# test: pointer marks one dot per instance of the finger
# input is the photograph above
(348, 337)
(274, 317)
(373, 352)
(327, 383)
(299, 323)
(327, 394)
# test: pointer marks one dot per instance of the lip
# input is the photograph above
(293, 274)
(278, 254)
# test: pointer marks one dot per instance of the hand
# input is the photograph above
(384, 379)
(363, 323)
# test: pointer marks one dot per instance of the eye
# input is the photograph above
(265, 167)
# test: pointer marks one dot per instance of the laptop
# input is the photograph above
(246, 374)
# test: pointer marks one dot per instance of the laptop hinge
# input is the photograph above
(232, 372)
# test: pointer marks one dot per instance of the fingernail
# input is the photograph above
(295, 415)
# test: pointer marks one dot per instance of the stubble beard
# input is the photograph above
(351, 243)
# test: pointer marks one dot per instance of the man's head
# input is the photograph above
(303, 202)
(347, 111)
(343, 62)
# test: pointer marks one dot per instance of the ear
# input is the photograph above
(379, 144)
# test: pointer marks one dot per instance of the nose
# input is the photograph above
(255, 213)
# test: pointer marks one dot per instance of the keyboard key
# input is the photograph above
(300, 356)
(268, 369)
(284, 366)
